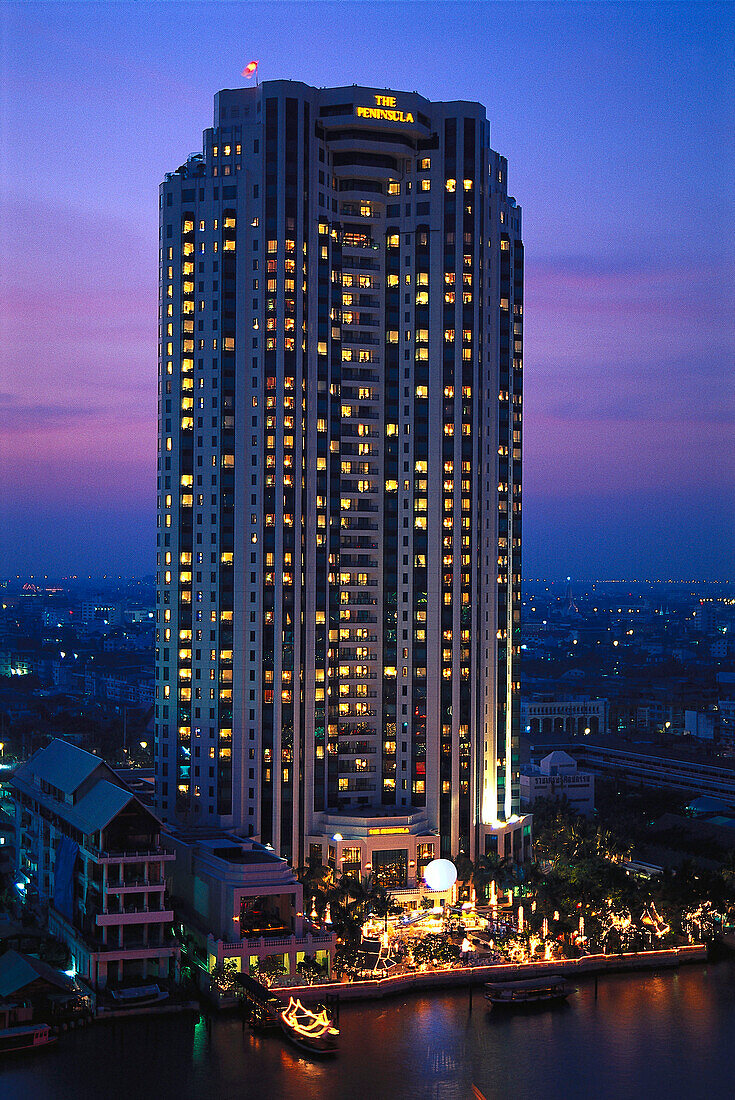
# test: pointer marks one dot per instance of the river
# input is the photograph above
(669, 1035)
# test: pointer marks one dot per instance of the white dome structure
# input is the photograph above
(440, 874)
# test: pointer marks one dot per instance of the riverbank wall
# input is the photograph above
(476, 975)
(167, 1009)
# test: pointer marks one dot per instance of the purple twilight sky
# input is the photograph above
(618, 123)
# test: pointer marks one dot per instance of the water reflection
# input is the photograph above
(659, 1035)
(200, 1045)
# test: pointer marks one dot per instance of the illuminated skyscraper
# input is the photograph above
(340, 408)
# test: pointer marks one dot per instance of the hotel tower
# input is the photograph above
(339, 481)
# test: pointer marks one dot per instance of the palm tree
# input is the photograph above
(352, 899)
(384, 904)
(360, 893)
(310, 970)
(612, 847)
(318, 882)
(465, 871)
(728, 876)
(493, 868)
(347, 899)
(269, 968)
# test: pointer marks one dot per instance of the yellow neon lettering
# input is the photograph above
(383, 113)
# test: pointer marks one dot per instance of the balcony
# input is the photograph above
(361, 412)
(286, 942)
(362, 729)
(134, 885)
(351, 394)
(359, 242)
(351, 372)
(354, 338)
(347, 542)
(354, 318)
(140, 943)
(135, 916)
(350, 263)
(358, 786)
(150, 855)
(362, 505)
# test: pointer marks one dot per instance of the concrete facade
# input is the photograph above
(557, 776)
(89, 859)
(340, 425)
(241, 902)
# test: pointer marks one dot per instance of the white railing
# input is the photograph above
(264, 941)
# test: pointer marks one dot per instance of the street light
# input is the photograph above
(144, 744)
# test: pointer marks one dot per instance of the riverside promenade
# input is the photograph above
(415, 982)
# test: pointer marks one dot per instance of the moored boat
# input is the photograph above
(311, 1031)
(533, 991)
(25, 1037)
(138, 995)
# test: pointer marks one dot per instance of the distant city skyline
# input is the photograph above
(619, 159)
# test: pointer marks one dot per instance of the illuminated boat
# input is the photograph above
(25, 1037)
(535, 991)
(312, 1031)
